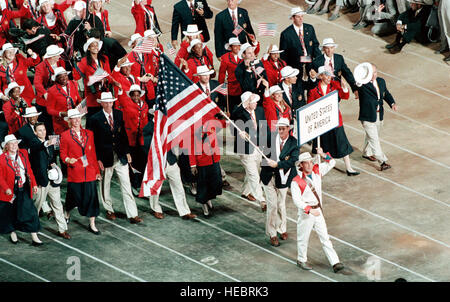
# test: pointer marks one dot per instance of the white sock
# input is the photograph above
(35, 238)
(13, 236)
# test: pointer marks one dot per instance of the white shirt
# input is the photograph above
(21, 166)
(327, 61)
(279, 141)
(298, 30)
(235, 13)
(286, 90)
(107, 116)
(189, 3)
(205, 87)
(50, 18)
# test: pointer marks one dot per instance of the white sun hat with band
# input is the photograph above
(10, 138)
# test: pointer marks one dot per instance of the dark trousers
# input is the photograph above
(45, 118)
(138, 161)
(209, 183)
(185, 169)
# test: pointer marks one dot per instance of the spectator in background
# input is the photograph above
(96, 8)
(444, 21)
(315, 9)
(382, 13)
(411, 25)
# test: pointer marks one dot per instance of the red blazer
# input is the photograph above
(19, 74)
(140, 68)
(316, 93)
(135, 118)
(207, 151)
(71, 147)
(8, 175)
(14, 120)
(193, 63)
(43, 80)
(105, 19)
(84, 70)
(58, 10)
(273, 72)
(7, 16)
(126, 83)
(273, 113)
(183, 53)
(226, 71)
(57, 102)
(139, 17)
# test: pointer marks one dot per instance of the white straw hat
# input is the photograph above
(151, 33)
(133, 38)
(328, 42)
(8, 46)
(193, 43)
(135, 87)
(274, 49)
(192, 30)
(249, 97)
(106, 97)
(324, 70)
(31, 111)
(283, 122)
(297, 11)
(363, 73)
(305, 156)
(73, 113)
(203, 70)
(55, 175)
(79, 5)
(52, 51)
(90, 41)
(232, 41)
(58, 71)
(275, 89)
(288, 72)
(10, 138)
(244, 47)
(11, 86)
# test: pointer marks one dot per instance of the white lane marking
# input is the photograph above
(94, 258)
(24, 270)
(348, 243)
(169, 249)
(403, 149)
(334, 24)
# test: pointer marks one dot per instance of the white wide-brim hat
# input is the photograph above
(44, 1)
(244, 47)
(324, 70)
(248, 97)
(133, 38)
(151, 33)
(58, 71)
(283, 122)
(11, 86)
(232, 41)
(363, 73)
(55, 175)
(106, 97)
(31, 111)
(135, 87)
(297, 11)
(328, 42)
(10, 138)
(275, 89)
(203, 70)
(305, 156)
(73, 113)
(274, 49)
(126, 63)
(8, 46)
(193, 43)
(288, 72)
(90, 41)
(52, 51)
(192, 30)
(79, 5)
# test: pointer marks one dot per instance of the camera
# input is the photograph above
(21, 106)
(199, 5)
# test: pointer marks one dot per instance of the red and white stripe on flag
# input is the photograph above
(267, 29)
(237, 30)
(222, 89)
(172, 51)
(145, 45)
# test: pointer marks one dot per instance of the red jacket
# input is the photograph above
(8, 175)
(316, 93)
(18, 74)
(140, 68)
(13, 119)
(43, 80)
(7, 17)
(70, 147)
(273, 72)
(135, 118)
(183, 53)
(57, 102)
(84, 70)
(126, 83)
(58, 10)
(207, 151)
(105, 19)
(273, 113)
(139, 15)
(194, 62)
(228, 65)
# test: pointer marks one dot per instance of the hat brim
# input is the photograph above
(228, 45)
(366, 79)
(293, 74)
(186, 33)
(106, 100)
(86, 45)
(74, 116)
(298, 14)
(60, 51)
(22, 88)
(329, 45)
(141, 91)
(59, 180)
(55, 75)
(276, 51)
(241, 51)
(32, 114)
(14, 48)
(14, 140)
(204, 73)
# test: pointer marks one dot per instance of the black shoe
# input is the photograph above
(389, 46)
(94, 232)
(447, 59)
(441, 51)
(352, 173)
(34, 243)
(338, 267)
(360, 25)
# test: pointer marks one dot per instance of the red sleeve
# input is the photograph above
(29, 171)
(63, 147)
(11, 116)
(38, 79)
(63, 5)
(343, 95)
(23, 12)
(107, 20)
(94, 154)
(3, 184)
(312, 95)
(29, 62)
(51, 99)
(222, 69)
(270, 113)
(257, 48)
(192, 69)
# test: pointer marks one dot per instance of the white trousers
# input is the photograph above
(305, 224)
(54, 194)
(276, 218)
(125, 187)
(372, 145)
(252, 184)
(177, 189)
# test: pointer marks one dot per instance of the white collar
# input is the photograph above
(298, 28)
(231, 11)
(107, 115)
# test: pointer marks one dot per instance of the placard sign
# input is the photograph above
(317, 118)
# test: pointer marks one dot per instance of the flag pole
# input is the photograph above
(247, 139)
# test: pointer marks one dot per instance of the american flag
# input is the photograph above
(82, 108)
(98, 75)
(181, 107)
(267, 29)
(145, 45)
(222, 89)
(172, 51)
(259, 70)
(237, 30)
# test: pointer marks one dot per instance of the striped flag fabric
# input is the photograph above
(237, 30)
(222, 89)
(82, 107)
(172, 51)
(180, 109)
(98, 75)
(267, 29)
(145, 45)
(259, 70)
